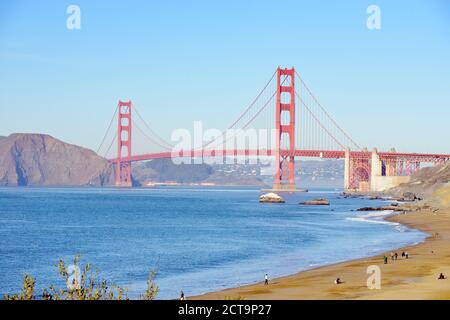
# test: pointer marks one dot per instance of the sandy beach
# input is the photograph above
(413, 278)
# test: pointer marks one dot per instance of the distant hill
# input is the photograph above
(41, 160)
(164, 170)
(320, 173)
(234, 180)
(309, 173)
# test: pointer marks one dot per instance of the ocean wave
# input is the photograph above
(376, 214)
(377, 217)
(362, 219)
(5, 221)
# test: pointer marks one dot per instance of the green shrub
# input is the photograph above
(85, 286)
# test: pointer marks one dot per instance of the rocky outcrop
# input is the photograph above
(409, 196)
(316, 202)
(41, 160)
(271, 198)
(384, 208)
(424, 182)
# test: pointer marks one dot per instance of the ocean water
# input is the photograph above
(201, 239)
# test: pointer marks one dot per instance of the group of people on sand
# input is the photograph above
(405, 255)
(394, 256)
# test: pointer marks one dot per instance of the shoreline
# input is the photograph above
(413, 278)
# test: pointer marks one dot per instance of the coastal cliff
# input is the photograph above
(431, 184)
(41, 160)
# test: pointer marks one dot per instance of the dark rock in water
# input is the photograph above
(370, 209)
(351, 195)
(316, 202)
(41, 160)
(384, 208)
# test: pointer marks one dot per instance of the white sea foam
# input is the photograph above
(377, 217)
(362, 219)
(375, 214)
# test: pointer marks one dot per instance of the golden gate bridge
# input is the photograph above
(302, 126)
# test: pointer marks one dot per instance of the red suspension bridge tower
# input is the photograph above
(285, 131)
(123, 169)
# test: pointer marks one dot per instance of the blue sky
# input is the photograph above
(181, 61)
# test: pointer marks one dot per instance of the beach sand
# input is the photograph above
(413, 278)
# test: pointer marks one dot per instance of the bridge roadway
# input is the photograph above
(325, 154)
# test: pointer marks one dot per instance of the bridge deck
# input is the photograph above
(325, 154)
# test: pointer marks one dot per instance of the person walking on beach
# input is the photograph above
(406, 255)
(403, 254)
(266, 280)
(182, 295)
(396, 256)
(385, 259)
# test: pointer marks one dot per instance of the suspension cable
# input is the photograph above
(107, 130)
(326, 113)
(317, 120)
(248, 123)
(245, 111)
(148, 137)
(112, 142)
(168, 145)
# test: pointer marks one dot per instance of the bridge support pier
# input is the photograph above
(285, 141)
(123, 168)
(383, 174)
(347, 170)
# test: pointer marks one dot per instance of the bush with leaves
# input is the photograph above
(27, 293)
(87, 285)
(152, 289)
